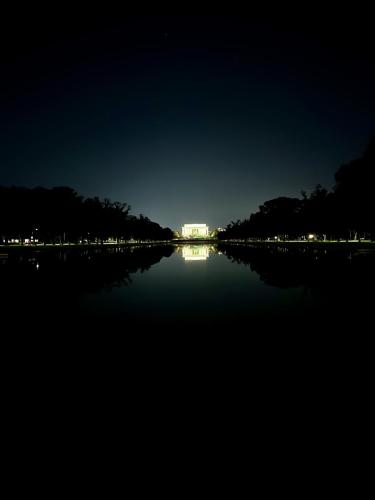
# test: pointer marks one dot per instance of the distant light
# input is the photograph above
(311, 236)
(37, 266)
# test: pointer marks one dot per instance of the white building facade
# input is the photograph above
(195, 231)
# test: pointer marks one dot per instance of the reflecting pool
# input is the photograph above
(211, 287)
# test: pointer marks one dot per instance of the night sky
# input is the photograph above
(187, 118)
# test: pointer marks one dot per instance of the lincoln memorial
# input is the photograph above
(195, 231)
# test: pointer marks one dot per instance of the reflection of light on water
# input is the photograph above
(195, 252)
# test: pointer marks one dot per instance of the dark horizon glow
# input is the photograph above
(188, 119)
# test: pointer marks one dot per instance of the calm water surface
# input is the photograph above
(214, 287)
(185, 341)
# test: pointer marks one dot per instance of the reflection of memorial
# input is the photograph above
(195, 252)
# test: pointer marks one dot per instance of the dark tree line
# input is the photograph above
(346, 212)
(60, 215)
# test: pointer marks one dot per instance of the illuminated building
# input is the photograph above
(195, 231)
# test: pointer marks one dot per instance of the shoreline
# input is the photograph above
(76, 246)
(215, 241)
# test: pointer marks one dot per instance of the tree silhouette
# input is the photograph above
(60, 215)
(346, 212)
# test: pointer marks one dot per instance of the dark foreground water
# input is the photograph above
(210, 288)
(191, 350)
